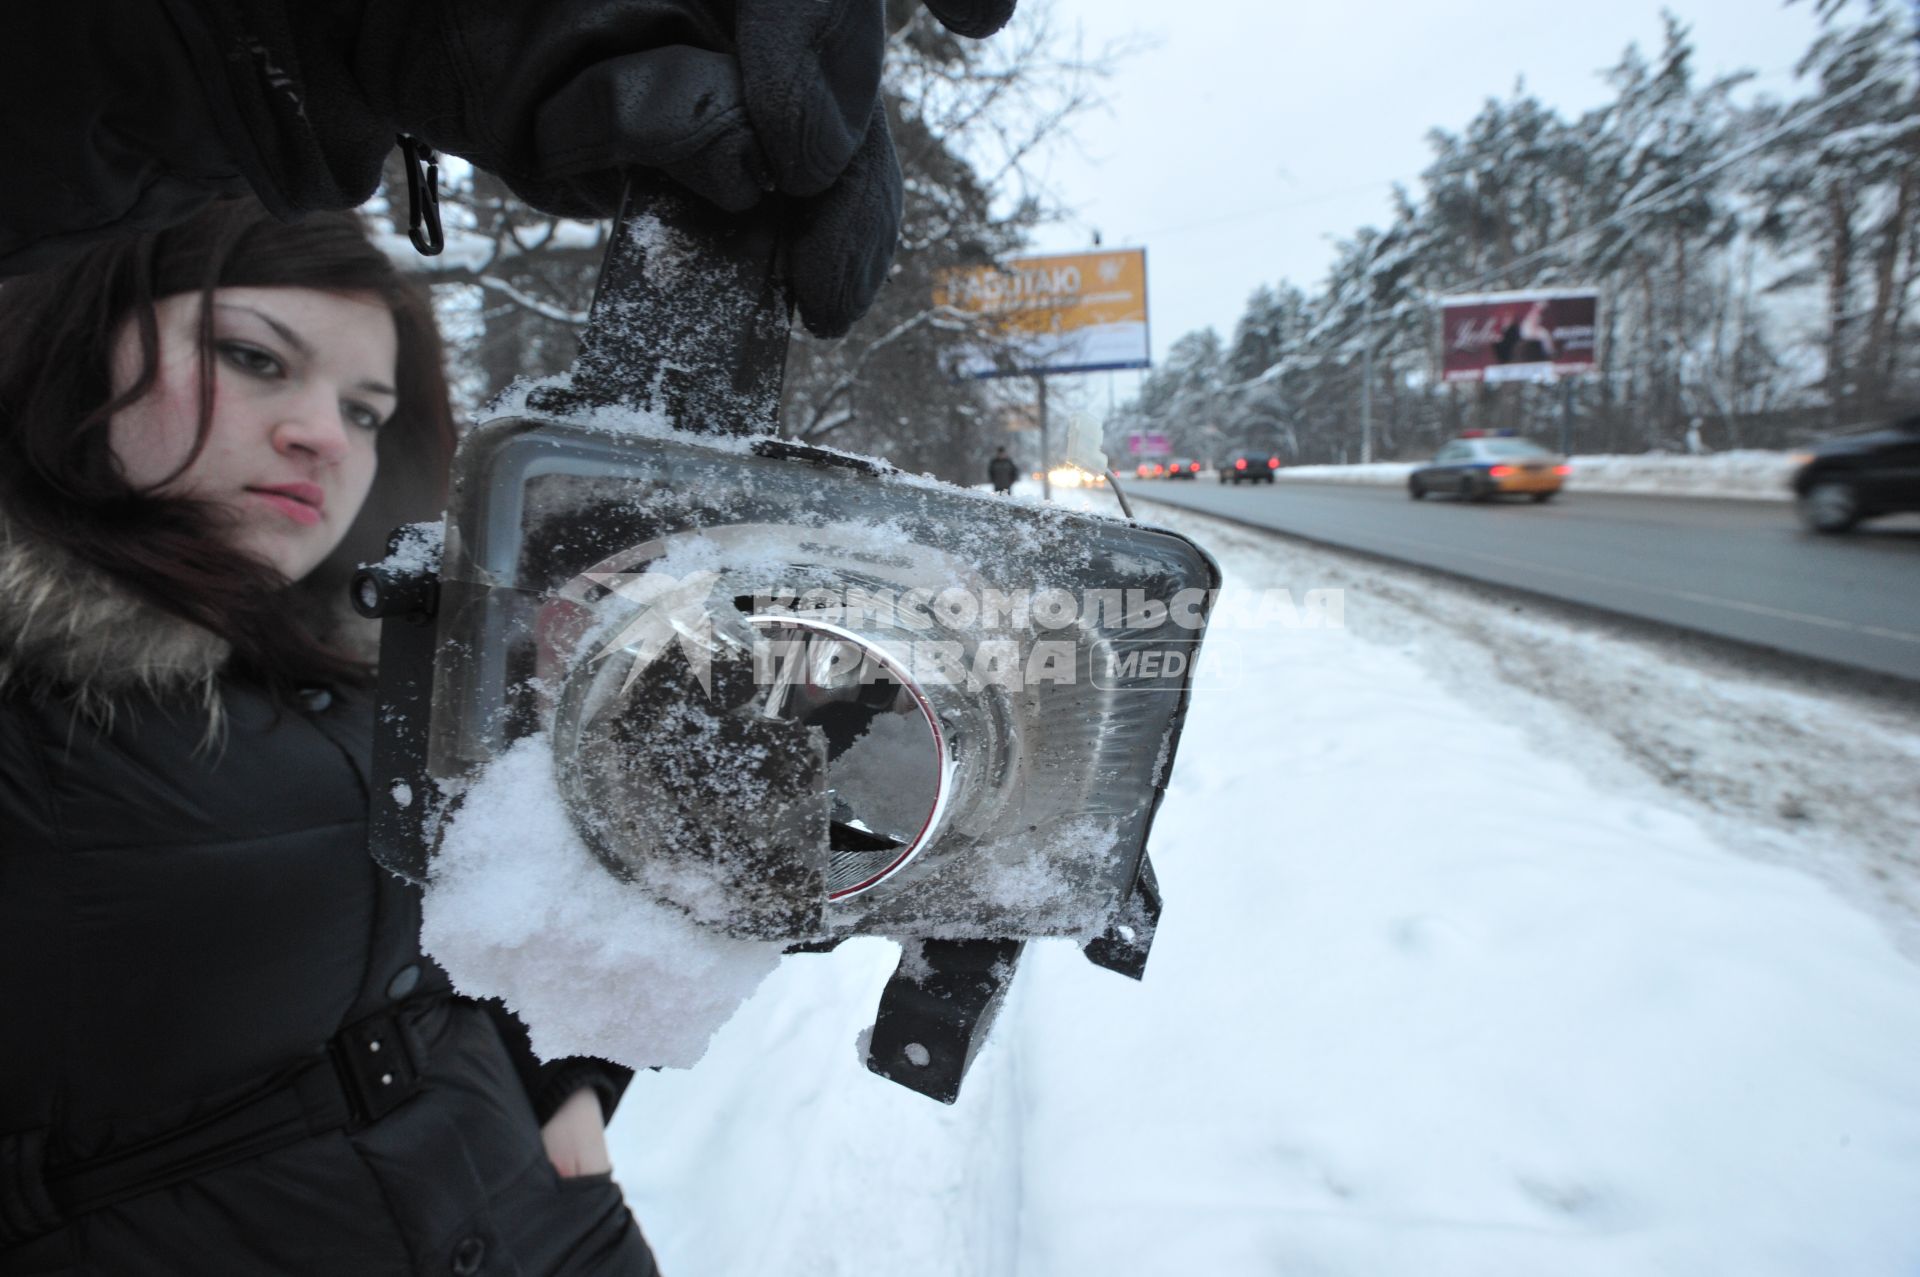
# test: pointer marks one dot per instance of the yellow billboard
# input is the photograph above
(1068, 312)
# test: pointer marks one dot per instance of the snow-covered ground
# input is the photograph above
(1752, 473)
(1495, 943)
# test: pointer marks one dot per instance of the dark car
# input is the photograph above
(1183, 468)
(1477, 466)
(1842, 481)
(1249, 467)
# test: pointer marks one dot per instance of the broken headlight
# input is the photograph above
(799, 696)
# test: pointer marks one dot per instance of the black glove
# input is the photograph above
(976, 20)
(775, 95)
(300, 99)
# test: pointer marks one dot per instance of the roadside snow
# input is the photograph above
(1753, 474)
(1793, 771)
(1454, 978)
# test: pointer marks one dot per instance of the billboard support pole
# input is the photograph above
(1366, 374)
(1046, 483)
(1566, 416)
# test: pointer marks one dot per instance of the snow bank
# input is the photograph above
(1752, 474)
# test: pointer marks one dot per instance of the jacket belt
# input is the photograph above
(366, 1071)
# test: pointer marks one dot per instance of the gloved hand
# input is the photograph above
(126, 118)
(975, 19)
(730, 101)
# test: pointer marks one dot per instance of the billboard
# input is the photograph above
(1534, 335)
(1069, 312)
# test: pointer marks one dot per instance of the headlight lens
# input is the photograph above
(801, 702)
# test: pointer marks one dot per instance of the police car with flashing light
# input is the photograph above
(1481, 464)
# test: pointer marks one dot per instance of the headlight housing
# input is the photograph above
(791, 693)
(588, 576)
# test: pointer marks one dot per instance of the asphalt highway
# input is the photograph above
(1743, 570)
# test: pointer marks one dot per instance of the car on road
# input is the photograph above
(1249, 467)
(1853, 477)
(1183, 468)
(1151, 470)
(1479, 465)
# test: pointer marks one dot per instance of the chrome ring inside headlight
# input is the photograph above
(853, 682)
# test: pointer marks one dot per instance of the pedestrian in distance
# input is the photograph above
(1002, 471)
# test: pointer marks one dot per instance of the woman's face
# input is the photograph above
(302, 382)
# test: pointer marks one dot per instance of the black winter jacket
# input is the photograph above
(185, 923)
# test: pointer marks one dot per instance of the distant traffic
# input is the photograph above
(1837, 483)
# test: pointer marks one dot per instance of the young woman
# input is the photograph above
(224, 1052)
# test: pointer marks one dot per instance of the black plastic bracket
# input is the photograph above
(936, 1011)
(1124, 946)
(690, 318)
(406, 604)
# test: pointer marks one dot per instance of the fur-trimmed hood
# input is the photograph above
(67, 625)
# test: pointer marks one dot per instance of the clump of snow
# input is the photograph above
(519, 909)
(417, 548)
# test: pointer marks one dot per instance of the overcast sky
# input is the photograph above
(1255, 133)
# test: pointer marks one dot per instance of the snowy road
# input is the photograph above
(1737, 569)
(1453, 979)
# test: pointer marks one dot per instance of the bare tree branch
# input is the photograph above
(546, 310)
(947, 317)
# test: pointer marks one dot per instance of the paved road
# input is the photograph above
(1739, 569)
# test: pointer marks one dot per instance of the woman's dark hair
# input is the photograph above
(60, 483)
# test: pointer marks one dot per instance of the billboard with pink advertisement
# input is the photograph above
(1534, 335)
